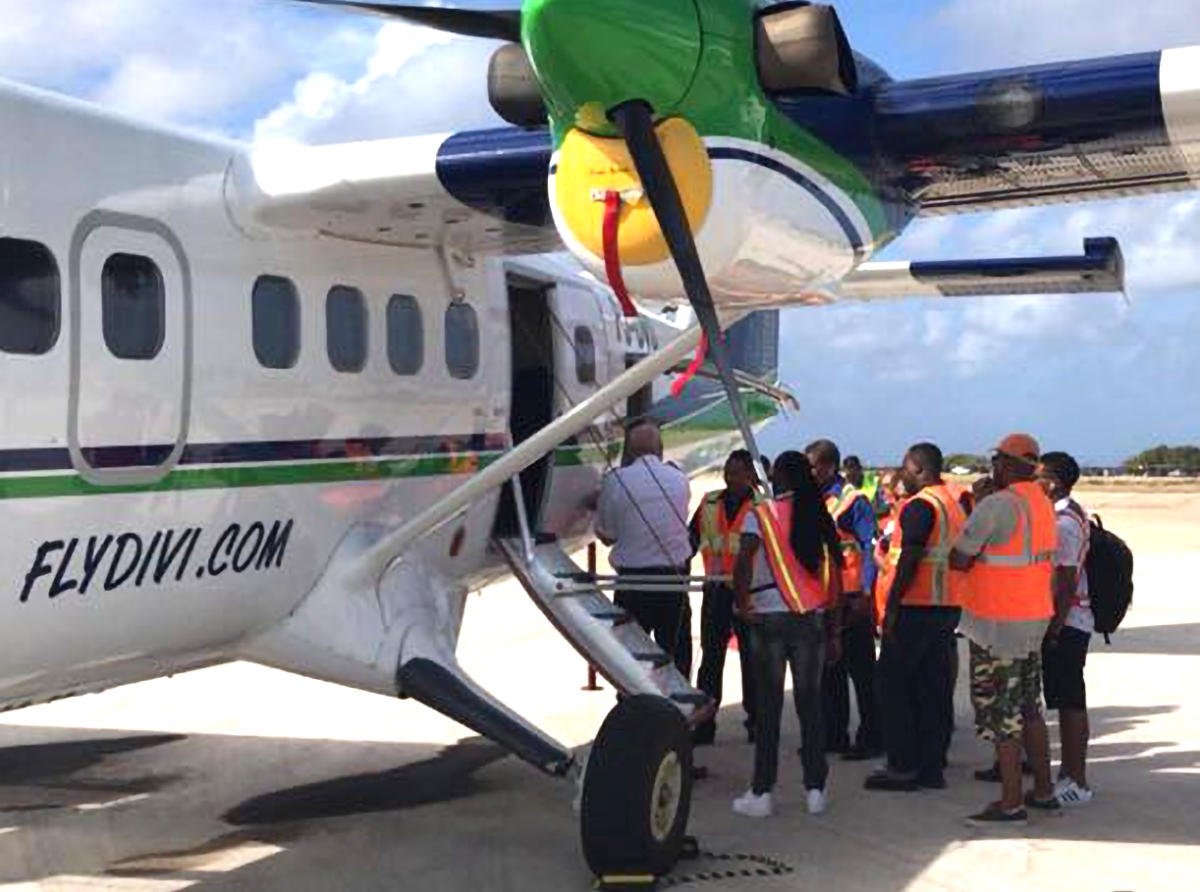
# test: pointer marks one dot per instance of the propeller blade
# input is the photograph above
(495, 20)
(635, 120)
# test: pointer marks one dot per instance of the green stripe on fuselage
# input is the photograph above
(50, 486)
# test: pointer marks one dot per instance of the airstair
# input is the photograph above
(605, 635)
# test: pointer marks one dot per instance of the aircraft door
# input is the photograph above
(131, 350)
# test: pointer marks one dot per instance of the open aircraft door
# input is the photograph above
(131, 350)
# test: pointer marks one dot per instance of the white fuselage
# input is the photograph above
(161, 512)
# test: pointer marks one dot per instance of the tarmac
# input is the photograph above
(242, 778)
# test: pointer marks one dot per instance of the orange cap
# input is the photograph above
(1020, 446)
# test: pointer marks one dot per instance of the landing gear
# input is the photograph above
(637, 792)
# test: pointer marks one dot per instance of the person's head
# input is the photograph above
(983, 487)
(853, 469)
(766, 465)
(825, 458)
(793, 472)
(643, 439)
(922, 467)
(1015, 460)
(1058, 474)
(739, 471)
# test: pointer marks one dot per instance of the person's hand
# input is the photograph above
(1052, 633)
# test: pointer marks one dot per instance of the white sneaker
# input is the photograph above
(1070, 793)
(817, 802)
(753, 805)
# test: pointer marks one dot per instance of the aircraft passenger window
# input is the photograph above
(133, 307)
(462, 341)
(585, 355)
(275, 311)
(405, 335)
(30, 297)
(346, 329)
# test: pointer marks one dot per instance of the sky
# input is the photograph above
(1099, 376)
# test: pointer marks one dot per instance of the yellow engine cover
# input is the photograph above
(590, 165)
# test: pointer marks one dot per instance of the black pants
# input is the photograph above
(661, 614)
(779, 640)
(916, 681)
(857, 665)
(717, 622)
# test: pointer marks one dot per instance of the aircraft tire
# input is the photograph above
(637, 792)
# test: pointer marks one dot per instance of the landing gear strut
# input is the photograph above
(637, 793)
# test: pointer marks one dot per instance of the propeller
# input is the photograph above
(496, 20)
(635, 121)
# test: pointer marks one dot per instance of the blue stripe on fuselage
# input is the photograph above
(853, 236)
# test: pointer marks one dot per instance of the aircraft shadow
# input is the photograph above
(280, 813)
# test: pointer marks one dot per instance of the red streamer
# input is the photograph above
(612, 252)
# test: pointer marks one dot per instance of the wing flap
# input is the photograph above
(1100, 270)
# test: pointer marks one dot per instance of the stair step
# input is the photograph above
(615, 616)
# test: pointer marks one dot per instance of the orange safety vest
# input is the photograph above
(934, 585)
(801, 590)
(720, 540)
(887, 530)
(964, 495)
(852, 554)
(1012, 581)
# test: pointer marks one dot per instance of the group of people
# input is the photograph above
(832, 563)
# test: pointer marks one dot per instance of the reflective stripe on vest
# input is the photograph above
(1011, 581)
(801, 590)
(934, 585)
(852, 553)
(720, 540)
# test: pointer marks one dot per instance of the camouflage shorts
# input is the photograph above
(1004, 693)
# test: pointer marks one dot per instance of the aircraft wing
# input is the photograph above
(1100, 269)
(1048, 134)
(481, 191)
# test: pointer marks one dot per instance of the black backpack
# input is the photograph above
(1109, 568)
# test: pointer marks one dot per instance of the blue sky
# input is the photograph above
(1089, 374)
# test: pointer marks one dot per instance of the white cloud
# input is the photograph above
(414, 81)
(198, 64)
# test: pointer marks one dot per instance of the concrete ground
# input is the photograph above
(240, 778)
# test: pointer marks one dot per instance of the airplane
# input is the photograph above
(291, 405)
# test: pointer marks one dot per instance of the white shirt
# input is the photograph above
(1072, 552)
(765, 595)
(643, 509)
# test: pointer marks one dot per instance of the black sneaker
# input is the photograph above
(704, 735)
(995, 816)
(836, 746)
(932, 783)
(1048, 805)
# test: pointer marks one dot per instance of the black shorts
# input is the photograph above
(1062, 670)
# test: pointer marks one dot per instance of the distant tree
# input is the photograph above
(1162, 460)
